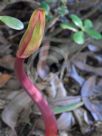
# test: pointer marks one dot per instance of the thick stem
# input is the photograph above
(34, 93)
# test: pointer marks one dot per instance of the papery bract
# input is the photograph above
(32, 38)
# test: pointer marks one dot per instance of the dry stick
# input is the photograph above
(82, 47)
(34, 93)
(32, 129)
(54, 39)
(56, 32)
(93, 11)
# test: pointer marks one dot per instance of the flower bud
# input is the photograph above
(32, 38)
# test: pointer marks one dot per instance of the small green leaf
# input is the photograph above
(88, 23)
(12, 22)
(78, 37)
(68, 26)
(45, 6)
(77, 21)
(94, 34)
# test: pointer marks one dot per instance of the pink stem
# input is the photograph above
(34, 93)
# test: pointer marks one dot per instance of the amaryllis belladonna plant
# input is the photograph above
(30, 42)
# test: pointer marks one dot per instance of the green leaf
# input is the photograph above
(68, 26)
(77, 21)
(78, 37)
(69, 107)
(88, 23)
(94, 34)
(45, 6)
(12, 22)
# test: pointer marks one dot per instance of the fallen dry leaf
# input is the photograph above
(19, 104)
(65, 121)
(42, 66)
(87, 68)
(57, 88)
(8, 62)
(92, 97)
(80, 61)
(85, 126)
(4, 79)
(75, 75)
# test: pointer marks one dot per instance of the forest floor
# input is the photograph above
(67, 74)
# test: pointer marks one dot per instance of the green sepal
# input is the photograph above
(45, 6)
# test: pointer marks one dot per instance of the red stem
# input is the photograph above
(34, 93)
